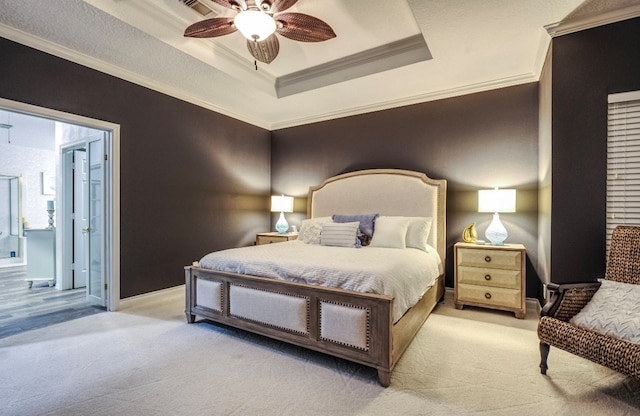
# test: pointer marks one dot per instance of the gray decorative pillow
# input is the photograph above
(614, 310)
(367, 223)
(340, 234)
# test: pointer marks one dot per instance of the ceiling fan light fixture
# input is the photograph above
(255, 25)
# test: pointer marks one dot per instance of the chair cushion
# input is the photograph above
(614, 310)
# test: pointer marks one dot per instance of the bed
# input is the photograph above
(364, 327)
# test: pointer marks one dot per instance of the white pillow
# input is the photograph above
(418, 232)
(310, 229)
(340, 234)
(390, 232)
(613, 310)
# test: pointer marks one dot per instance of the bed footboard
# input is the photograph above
(354, 326)
(350, 325)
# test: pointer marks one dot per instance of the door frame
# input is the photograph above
(112, 176)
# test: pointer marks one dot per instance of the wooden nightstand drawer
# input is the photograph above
(489, 296)
(481, 276)
(495, 259)
(490, 276)
(269, 238)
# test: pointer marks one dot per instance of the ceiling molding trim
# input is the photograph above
(51, 48)
(417, 99)
(591, 21)
(541, 55)
(383, 58)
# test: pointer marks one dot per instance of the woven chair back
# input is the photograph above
(624, 255)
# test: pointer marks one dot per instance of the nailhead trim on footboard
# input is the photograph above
(272, 308)
(345, 324)
(209, 294)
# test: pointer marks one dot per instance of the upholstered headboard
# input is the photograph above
(386, 192)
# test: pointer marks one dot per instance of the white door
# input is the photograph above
(80, 219)
(85, 200)
(95, 251)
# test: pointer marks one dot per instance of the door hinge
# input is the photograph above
(105, 157)
(105, 286)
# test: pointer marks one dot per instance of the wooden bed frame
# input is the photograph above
(240, 301)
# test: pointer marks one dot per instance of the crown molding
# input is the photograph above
(98, 65)
(71, 55)
(594, 20)
(416, 99)
(541, 56)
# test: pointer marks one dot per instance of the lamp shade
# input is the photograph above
(497, 200)
(281, 203)
(255, 25)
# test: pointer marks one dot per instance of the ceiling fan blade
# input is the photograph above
(210, 28)
(232, 4)
(275, 6)
(265, 51)
(303, 28)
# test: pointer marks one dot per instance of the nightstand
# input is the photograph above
(274, 237)
(490, 277)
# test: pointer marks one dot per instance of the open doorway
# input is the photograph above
(86, 248)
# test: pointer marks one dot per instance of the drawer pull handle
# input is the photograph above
(487, 295)
(487, 259)
(487, 277)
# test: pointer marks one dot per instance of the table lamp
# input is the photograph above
(496, 201)
(282, 204)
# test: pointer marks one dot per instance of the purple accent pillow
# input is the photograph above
(366, 221)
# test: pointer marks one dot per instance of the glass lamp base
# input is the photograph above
(496, 233)
(282, 225)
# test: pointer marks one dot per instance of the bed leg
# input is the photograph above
(544, 353)
(190, 318)
(384, 376)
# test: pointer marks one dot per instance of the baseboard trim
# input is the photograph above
(147, 298)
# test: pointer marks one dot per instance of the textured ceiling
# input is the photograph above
(374, 62)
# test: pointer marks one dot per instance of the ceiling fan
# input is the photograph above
(257, 20)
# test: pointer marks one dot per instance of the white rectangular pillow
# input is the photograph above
(390, 232)
(340, 234)
(418, 232)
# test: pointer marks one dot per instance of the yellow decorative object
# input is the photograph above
(469, 235)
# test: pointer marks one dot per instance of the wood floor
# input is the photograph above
(23, 309)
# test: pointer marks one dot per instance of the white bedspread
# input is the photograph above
(404, 274)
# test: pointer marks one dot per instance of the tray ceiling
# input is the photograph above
(386, 54)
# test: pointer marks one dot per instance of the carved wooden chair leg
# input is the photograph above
(544, 353)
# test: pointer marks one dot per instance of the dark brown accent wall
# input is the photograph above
(476, 141)
(587, 66)
(192, 180)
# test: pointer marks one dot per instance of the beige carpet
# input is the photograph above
(146, 360)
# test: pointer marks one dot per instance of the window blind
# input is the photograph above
(623, 161)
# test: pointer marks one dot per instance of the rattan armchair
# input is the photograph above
(554, 328)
